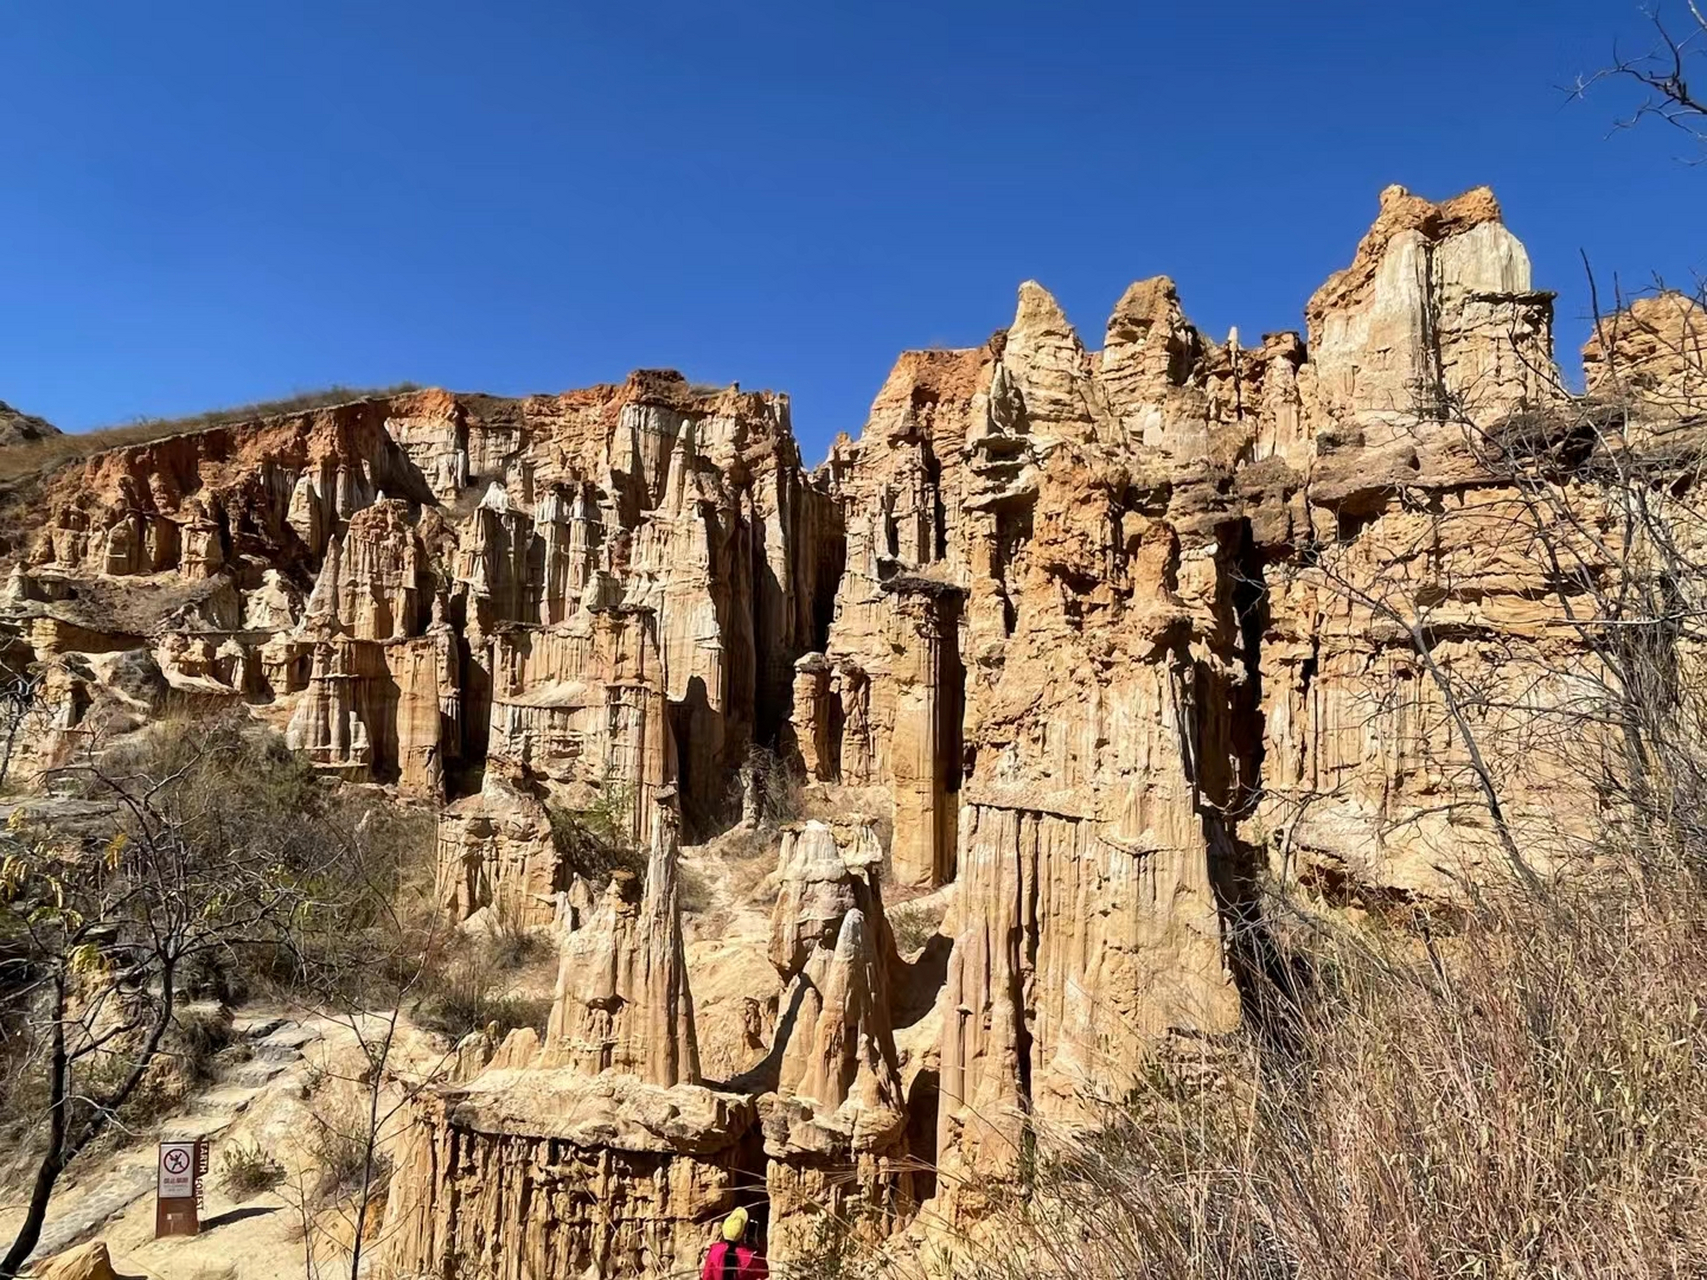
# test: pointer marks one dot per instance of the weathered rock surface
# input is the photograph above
(605, 589)
(17, 427)
(1105, 639)
(599, 1152)
(835, 1125)
(85, 1262)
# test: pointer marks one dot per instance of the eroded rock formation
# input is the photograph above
(570, 595)
(835, 1125)
(1103, 640)
(600, 1152)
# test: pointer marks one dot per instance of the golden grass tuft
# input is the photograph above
(1527, 1098)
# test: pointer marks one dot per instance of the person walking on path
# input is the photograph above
(736, 1256)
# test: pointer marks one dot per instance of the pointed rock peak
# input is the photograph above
(1393, 194)
(1147, 306)
(815, 891)
(1144, 303)
(323, 600)
(1048, 360)
(665, 854)
(623, 1003)
(854, 940)
(1038, 313)
(850, 1082)
(497, 498)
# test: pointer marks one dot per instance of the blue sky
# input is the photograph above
(210, 204)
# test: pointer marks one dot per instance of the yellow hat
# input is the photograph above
(735, 1226)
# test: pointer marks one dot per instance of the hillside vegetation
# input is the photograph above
(35, 456)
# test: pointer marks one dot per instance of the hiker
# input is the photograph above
(737, 1256)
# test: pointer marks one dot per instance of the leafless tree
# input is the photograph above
(1664, 74)
(101, 938)
(376, 955)
(20, 702)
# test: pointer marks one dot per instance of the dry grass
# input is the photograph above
(246, 1171)
(915, 924)
(54, 451)
(1526, 1098)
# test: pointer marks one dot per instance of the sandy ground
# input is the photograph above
(305, 1071)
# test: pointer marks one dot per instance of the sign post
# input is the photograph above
(177, 1203)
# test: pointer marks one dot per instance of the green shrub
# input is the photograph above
(596, 842)
(245, 1172)
(914, 925)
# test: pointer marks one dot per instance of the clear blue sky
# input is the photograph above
(216, 203)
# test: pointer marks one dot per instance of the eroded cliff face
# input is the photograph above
(1104, 640)
(557, 595)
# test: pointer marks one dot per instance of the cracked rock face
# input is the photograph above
(1102, 639)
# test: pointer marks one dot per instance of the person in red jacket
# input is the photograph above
(735, 1257)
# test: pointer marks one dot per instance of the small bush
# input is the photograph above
(915, 924)
(314, 1077)
(512, 944)
(199, 1033)
(464, 999)
(771, 787)
(339, 1149)
(595, 843)
(693, 889)
(245, 1172)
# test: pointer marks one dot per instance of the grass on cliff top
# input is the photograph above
(44, 455)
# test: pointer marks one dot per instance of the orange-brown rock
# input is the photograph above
(604, 590)
(1105, 639)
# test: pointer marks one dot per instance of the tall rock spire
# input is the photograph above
(622, 1001)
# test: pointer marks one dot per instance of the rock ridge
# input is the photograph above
(1086, 647)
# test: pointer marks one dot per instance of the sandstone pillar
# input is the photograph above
(925, 750)
(811, 717)
(835, 1136)
(623, 1002)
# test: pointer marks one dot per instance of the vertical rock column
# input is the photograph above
(835, 1135)
(811, 723)
(925, 749)
(622, 1001)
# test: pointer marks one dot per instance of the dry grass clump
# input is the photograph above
(462, 992)
(1525, 1098)
(246, 1171)
(53, 451)
(915, 924)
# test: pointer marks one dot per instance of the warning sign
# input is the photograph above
(177, 1170)
(177, 1205)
